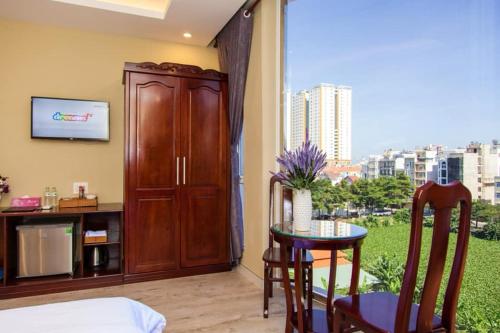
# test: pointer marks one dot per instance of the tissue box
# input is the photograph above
(93, 237)
(26, 202)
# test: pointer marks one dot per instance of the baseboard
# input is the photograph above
(143, 277)
(250, 276)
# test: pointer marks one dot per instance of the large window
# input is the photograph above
(398, 93)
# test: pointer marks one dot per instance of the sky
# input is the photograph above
(421, 71)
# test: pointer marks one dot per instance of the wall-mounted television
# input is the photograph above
(70, 119)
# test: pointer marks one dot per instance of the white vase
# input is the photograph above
(302, 210)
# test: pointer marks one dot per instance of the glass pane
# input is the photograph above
(399, 93)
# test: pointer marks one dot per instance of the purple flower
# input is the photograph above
(300, 168)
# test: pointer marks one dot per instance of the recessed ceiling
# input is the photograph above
(165, 20)
(148, 8)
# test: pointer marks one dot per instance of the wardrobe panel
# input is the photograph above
(156, 135)
(156, 240)
(204, 235)
(152, 193)
(204, 132)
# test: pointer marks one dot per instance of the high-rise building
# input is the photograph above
(298, 119)
(343, 128)
(330, 120)
(322, 118)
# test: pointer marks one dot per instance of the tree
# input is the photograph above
(405, 189)
(482, 211)
(346, 194)
(327, 197)
(356, 190)
(397, 190)
(323, 196)
(370, 194)
(376, 195)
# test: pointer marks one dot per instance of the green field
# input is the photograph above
(479, 306)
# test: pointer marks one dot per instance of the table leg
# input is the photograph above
(356, 255)
(288, 289)
(331, 289)
(299, 299)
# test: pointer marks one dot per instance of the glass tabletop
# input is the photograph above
(322, 229)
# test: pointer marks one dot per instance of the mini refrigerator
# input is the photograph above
(44, 249)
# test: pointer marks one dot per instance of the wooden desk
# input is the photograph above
(104, 217)
(324, 235)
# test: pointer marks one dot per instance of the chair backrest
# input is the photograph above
(442, 199)
(284, 198)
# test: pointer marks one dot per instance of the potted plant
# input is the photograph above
(299, 171)
(4, 186)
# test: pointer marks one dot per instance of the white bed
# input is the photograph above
(98, 315)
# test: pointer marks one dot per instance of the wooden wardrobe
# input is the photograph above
(176, 171)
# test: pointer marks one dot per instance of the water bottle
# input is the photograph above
(47, 198)
(53, 193)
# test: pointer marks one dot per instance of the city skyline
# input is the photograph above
(434, 79)
(477, 166)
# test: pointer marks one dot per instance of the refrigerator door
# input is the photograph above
(45, 250)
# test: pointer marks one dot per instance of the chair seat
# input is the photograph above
(273, 256)
(377, 311)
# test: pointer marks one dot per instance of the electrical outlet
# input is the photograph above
(76, 187)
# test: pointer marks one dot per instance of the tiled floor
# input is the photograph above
(223, 303)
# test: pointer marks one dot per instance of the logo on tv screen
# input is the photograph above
(58, 116)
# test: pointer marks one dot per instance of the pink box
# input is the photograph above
(26, 202)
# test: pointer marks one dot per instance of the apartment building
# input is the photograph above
(476, 166)
(343, 114)
(298, 118)
(323, 130)
(426, 164)
(370, 168)
(324, 114)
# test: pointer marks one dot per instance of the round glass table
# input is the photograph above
(324, 235)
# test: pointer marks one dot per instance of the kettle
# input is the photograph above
(98, 256)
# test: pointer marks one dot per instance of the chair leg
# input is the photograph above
(310, 287)
(271, 275)
(339, 322)
(304, 281)
(266, 290)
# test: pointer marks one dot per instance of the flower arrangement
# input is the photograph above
(301, 167)
(4, 185)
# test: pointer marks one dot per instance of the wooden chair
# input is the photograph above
(385, 312)
(272, 257)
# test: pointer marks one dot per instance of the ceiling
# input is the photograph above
(165, 20)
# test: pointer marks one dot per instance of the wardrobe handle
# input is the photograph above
(177, 170)
(184, 170)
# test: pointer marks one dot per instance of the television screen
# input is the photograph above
(57, 118)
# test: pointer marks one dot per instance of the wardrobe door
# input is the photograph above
(153, 174)
(204, 229)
